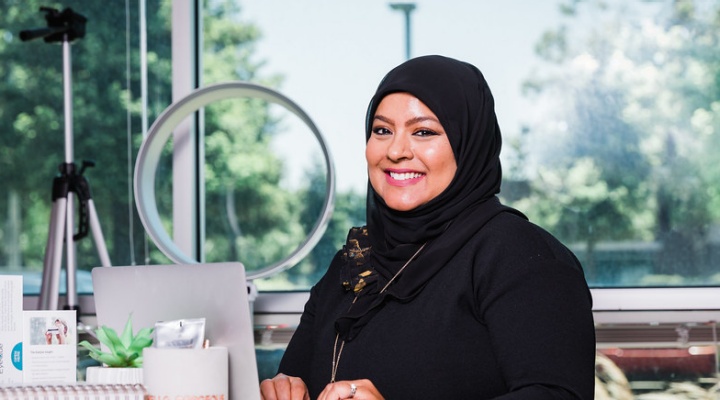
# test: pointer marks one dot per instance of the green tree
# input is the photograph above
(632, 107)
(349, 211)
(33, 119)
(251, 216)
(107, 111)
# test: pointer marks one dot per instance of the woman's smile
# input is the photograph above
(402, 178)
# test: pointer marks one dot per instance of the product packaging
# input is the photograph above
(11, 314)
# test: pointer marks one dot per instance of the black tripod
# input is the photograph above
(65, 27)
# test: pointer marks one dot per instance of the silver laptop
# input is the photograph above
(214, 291)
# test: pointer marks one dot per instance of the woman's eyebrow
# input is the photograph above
(383, 119)
(409, 122)
(419, 119)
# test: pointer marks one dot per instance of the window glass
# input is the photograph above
(266, 181)
(608, 109)
(105, 128)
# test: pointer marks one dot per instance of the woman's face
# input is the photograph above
(409, 157)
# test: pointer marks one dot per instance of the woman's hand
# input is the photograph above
(361, 389)
(283, 387)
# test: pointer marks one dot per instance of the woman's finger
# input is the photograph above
(283, 387)
(267, 390)
(340, 390)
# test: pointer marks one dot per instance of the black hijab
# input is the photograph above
(461, 99)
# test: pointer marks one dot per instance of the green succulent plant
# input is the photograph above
(125, 351)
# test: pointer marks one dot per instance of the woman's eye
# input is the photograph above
(425, 132)
(381, 131)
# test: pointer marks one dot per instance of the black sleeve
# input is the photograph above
(541, 324)
(534, 299)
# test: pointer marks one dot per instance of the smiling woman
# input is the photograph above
(436, 297)
(409, 157)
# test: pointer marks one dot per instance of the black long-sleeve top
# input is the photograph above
(508, 318)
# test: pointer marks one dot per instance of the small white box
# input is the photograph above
(11, 313)
(185, 373)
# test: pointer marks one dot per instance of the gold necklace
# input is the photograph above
(336, 353)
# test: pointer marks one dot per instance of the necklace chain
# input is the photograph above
(337, 353)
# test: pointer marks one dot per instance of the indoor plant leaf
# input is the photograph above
(124, 350)
(127, 336)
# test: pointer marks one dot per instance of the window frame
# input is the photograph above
(188, 196)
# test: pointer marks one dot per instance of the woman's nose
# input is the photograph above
(399, 148)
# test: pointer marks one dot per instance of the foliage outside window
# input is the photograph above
(617, 156)
(630, 179)
(617, 159)
(106, 126)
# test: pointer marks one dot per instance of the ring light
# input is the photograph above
(158, 135)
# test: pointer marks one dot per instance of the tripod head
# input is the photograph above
(66, 25)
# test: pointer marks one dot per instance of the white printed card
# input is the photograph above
(49, 347)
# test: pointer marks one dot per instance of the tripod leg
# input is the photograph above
(98, 235)
(71, 261)
(49, 289)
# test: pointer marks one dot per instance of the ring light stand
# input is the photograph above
(158, 135)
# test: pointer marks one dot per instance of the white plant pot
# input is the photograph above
(113, 376)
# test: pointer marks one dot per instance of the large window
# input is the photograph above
(608, 109)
